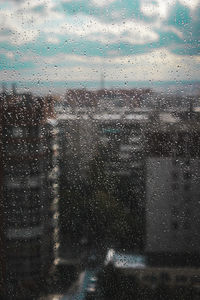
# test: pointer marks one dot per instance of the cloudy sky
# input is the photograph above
(128, 40)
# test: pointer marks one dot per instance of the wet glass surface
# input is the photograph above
(99, 149)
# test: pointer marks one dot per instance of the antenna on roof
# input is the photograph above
(14, 88)
(4, 89)
(102, 81)
(190, 107)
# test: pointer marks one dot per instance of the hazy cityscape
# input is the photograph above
(100, 195)
(99, 149)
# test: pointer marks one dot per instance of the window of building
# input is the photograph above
(174, 175)
(34, 181)
(19, 132)
(175, 211)
(187, 175)
(175, 225)
(187, 186)
(175, 186)
(34, 131)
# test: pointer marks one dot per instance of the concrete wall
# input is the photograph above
(173, 205)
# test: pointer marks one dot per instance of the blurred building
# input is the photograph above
(26, 191)
(76, 149)
(2, 242)
(121, 136)
(172, 189)
(87, 99)
(50, 133)
(114, 134)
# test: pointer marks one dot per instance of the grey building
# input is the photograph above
(27, 193)
(76, 142)
(122, 136)
(172, 189)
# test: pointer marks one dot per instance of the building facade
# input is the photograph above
(172, 190)
(115, 140)
(121, 136)
(76, 147)
(26, 193)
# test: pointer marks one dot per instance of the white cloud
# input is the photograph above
(90, 28)
(22, 25)
(161, 8)
(70, 1)
(52, 40)
(192, 4)
(15, 25)
(156, 65)
(157, 8)
(173, 29)
(9, 55)
(101, 3)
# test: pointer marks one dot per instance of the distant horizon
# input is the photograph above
(58, 87)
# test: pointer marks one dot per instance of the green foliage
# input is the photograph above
(107, 219)
(96, 214)
(100, 217)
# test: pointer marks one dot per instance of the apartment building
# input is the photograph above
(26, 192)
(121, 136)
(76, 149)
(172, 189)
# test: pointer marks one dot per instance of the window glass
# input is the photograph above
(99, 149)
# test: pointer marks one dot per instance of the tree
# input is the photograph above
(96, 214)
